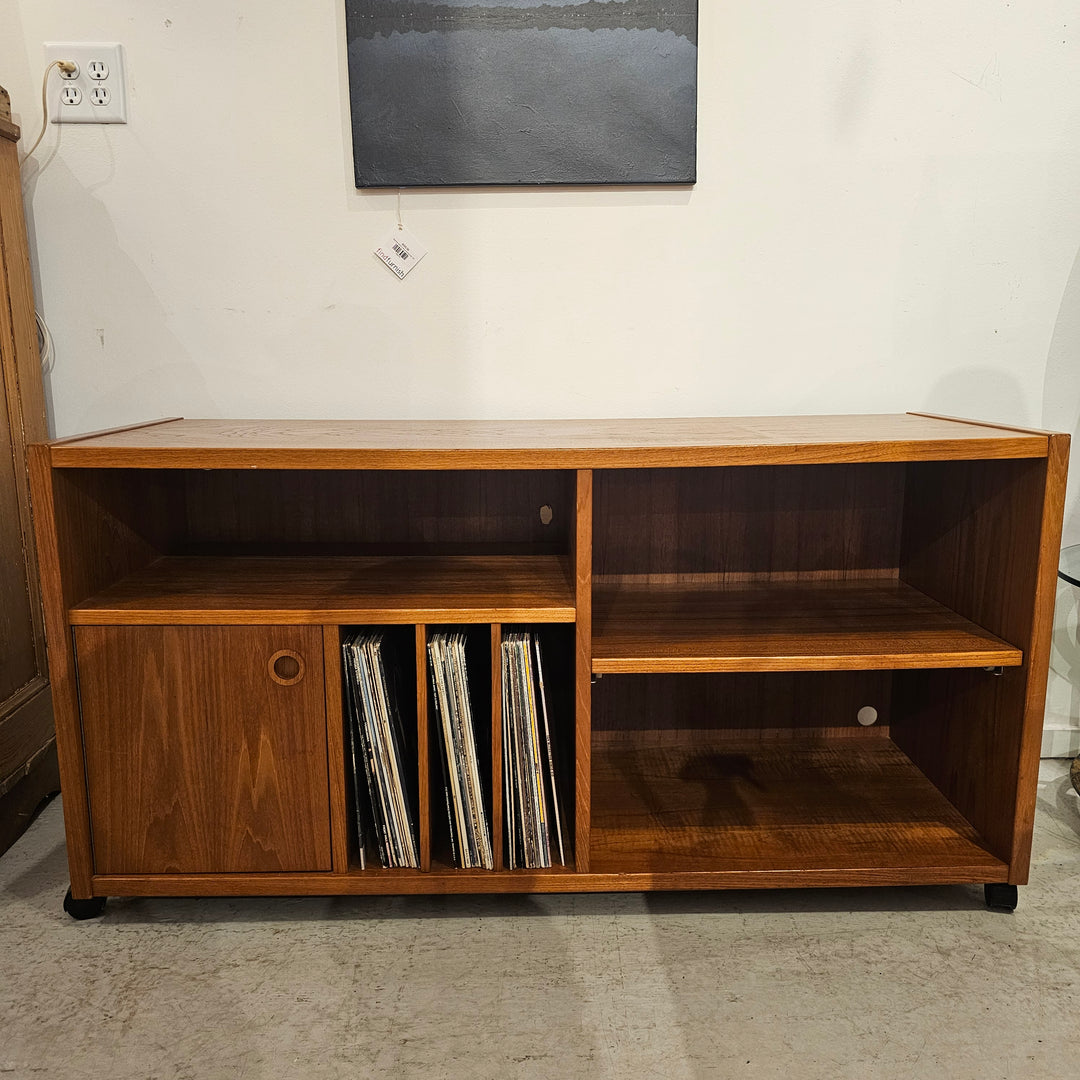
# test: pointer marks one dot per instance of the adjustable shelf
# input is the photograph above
(784, 626)
(785, 651)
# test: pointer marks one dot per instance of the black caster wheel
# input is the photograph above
(1001, 897)
(84, 909)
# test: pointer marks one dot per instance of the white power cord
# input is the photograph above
(45, 345)
(63, 65)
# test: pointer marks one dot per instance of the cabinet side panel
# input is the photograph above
(61, 660)
(976, 538)
(198, 761)
(1057, 468)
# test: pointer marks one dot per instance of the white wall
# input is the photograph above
(887, 217)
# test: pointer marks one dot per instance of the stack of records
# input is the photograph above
(532, 800)
(470, 836)
(380, 749)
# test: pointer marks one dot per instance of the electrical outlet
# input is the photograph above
(94, 93)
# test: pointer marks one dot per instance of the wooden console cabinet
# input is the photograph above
(788, 651)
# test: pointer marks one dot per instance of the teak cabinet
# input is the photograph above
(784, 651)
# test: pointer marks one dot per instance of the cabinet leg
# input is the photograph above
(1000, 897)
(84, 909)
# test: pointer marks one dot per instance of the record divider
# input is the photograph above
(335, 750)
(423, 779)
(583, 559)
(496, 747)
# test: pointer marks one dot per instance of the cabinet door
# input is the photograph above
(205, 748)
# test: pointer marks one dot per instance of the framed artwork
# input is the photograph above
(522, 91)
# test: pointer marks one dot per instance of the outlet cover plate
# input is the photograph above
(111, 54)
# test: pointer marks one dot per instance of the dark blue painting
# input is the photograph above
(523, 91)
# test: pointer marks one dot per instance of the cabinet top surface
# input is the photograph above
(611, 443)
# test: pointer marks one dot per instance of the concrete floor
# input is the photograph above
(914, 983)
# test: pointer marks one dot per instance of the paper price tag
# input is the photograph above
(401, 252)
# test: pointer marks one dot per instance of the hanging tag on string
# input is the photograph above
(401, 251)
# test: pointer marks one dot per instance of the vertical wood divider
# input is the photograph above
(496, 747)
(335, 749)
(583, 556)
(423, 771)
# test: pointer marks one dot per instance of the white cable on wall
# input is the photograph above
(66, 65)
(46, 346)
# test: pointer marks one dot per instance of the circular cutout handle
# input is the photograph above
(286, 667)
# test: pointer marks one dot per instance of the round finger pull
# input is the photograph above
(286, 667)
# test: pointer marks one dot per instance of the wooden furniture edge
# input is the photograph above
(1057, 468)
(413, 882)
(890, 661)
(104, 616)
(72, 454)
(23, 386)
(63, 677)
(8, 129)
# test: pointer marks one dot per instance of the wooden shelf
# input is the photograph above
(784, 626)
(676, 802)
(337, 589)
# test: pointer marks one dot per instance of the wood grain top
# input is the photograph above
(338, 589)
(784, 626)
(568, 444)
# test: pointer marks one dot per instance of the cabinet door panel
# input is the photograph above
(201, 757)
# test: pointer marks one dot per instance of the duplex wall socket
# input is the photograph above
(94, 94)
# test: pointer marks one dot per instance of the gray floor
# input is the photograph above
(913, 983)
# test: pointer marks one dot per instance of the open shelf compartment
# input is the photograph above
(767, 773)
(861, 566)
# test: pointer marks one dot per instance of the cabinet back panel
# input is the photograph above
(772, 706)
(388, 512)
(746, 522)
